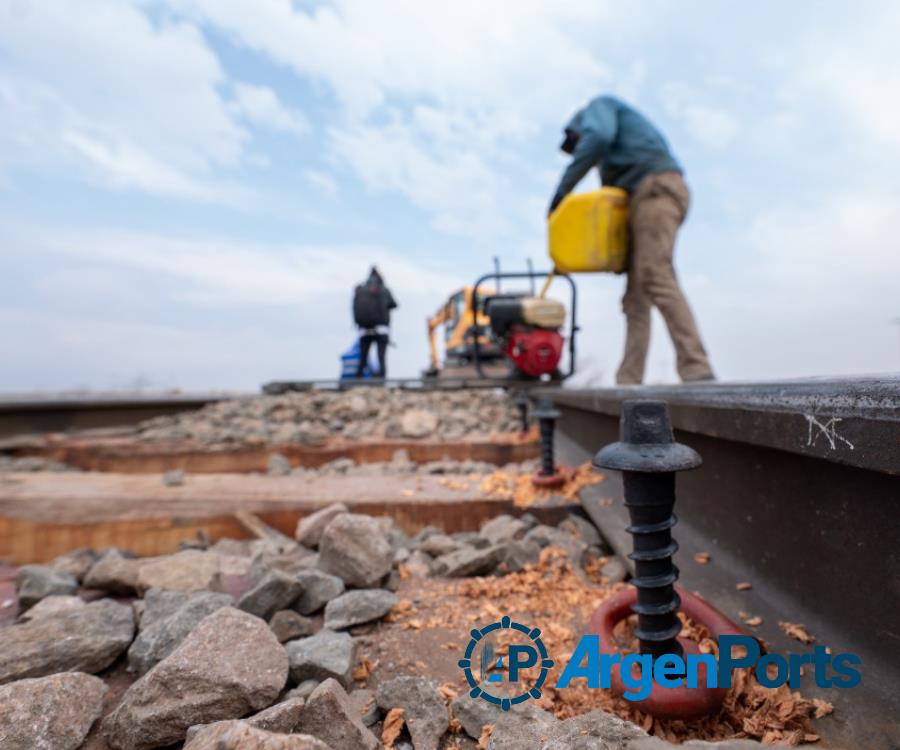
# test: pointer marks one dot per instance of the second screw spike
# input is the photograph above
(648, 457)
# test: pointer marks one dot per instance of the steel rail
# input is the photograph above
(799, 495)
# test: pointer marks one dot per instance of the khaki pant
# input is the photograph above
(656, 210)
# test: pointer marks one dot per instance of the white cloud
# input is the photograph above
(261, 106)
(98, 91)
(711, 126)
(322, 181)
(435, 99)
(224, 272)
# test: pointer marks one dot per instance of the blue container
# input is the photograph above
(350, 360)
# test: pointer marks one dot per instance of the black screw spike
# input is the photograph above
(522, 405)
(648, 457)
(546, 414)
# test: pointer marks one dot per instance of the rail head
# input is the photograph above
(852, 421)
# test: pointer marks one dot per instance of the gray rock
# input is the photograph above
(190, 570)
(324, 655)
(76, 563)
(87, 639)
(423, 534)
(232, 547)
(502, 529)
(288, 557)
(303, 690)
(516, 555)
(319, 588)
(329, 716)
(614, 570)
(363, 702)
(353, 547)
(583, 529)
(440, 544)
(469, 537)
(310, 528)
(424, 709)
(357, 607)
(419, 564)
(50, 713)
(418, 423)
(278, 465)
(468, 562)
(283, 717)
(241, 735)
(163, 635)
(114, 573)
(228, 666)
(274, 591)
(527, 728)
(547, 536)
(474, 713)
(52, 606)
(597, 730)
(393, 581)
(35, 582)
(530, 521)
(288, 625)
(159, 605)
(394, 535)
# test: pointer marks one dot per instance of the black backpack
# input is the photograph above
(368, 306)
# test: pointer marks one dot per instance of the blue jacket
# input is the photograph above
(620, 142)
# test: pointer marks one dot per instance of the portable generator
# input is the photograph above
(528, 330)
(526, 327)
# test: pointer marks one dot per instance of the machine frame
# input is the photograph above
(531, 275)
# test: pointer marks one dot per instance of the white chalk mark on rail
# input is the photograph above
(828, 430)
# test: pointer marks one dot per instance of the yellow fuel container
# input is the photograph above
(589, 232)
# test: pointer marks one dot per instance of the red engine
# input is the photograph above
(535, 351)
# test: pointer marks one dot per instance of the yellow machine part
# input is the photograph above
(458, 315)
(544, 313)
(588, 232)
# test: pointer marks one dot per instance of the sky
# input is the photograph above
(190, 189)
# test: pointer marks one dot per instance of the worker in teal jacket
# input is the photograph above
(631, 154)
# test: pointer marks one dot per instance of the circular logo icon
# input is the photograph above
(494, 674)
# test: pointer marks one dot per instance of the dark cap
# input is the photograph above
(570, 141)
(647, 442)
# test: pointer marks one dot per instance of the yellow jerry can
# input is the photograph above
(589, 232)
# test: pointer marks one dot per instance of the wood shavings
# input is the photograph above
(457, 485)
(393, 726)
(751, 620)
(743, 586)
(362, 672)
(407, 493)
(796, 631)
(702, 558)
(486, 731)
(448, 692)
(520, 489)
